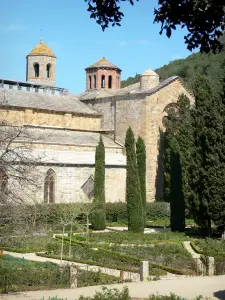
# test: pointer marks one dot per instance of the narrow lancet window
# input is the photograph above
(49, 187)
(36, 70)
(103, 82)
(48, 67)
(110, 82)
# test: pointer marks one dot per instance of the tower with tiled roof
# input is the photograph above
(41, 65)
(102, 75)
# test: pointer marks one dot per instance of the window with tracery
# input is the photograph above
(3, 185)
(49, 187)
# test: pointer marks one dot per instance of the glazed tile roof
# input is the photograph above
(68, 103)
(103, 63)
(42, 49)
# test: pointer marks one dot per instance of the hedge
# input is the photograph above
(125, 258)
(90, 262)
(49, 214)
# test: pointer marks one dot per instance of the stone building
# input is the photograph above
(66, 128)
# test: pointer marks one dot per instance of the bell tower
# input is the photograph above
(102, 75)
(41, 65)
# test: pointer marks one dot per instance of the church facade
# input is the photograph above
(65, 128)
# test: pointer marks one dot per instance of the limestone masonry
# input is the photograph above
(66, 128)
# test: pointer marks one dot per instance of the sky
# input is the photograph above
(79, 42)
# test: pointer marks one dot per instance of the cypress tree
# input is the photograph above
(178, 149)
(177, 206)
(98, 215)
(133, 192)
(141, 164)
(208, 165)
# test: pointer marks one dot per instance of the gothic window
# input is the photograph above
(110, 82)
(36, 70)
(103, 82)
(95, 82)
(48, 67)
(49, 187)
(89, 82)
(3, 185)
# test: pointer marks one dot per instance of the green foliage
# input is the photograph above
(133, 192)
(89, 278)
(141, 164)
(177, 207)
(116, 212)
(208, 64)
(98, 215)
(109, 294)
(20, 274)
(135, 238)
(172, 255)
(207, 201)
(25, 244)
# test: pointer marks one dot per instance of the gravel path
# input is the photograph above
(189, 287)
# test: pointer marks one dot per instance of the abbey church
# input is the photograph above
(65, 128)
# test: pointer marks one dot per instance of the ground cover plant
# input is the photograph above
(133, 238)
(17, 274)
(25, 243)
(172, 255)
(215, 248)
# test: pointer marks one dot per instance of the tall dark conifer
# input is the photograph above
(141, 164)
(133, 191)
(208, 165)
(98, 215)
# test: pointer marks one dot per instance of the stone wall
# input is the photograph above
(106, 108)
(144, 114)
(68, 183)
(34, 117)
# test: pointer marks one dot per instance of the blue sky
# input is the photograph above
(78, 41)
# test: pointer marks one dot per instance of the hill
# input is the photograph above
(209, 64)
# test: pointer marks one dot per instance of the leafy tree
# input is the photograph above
(98, 216)
(133, 191)
(141, 164)
(204, 20)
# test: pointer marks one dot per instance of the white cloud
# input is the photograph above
(14, 27)
(145, 42)
(122, 43)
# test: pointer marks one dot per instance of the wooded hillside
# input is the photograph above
(209, 64)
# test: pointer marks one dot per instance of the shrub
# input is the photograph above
(109, 294)
(116, 212)
(157, 210)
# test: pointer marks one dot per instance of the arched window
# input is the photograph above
(3, 185)
(48, 67)
(95, 82)
(103, 82)
(110, 82)
(36, 70)
(49, 187)
(89, 82)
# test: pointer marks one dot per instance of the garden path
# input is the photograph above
(188, 287)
